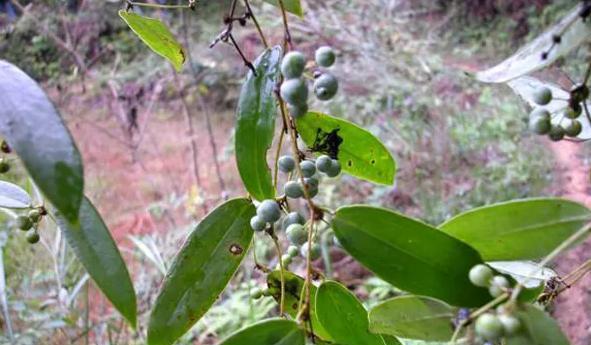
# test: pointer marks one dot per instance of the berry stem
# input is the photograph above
(256, 24)
(159, 6)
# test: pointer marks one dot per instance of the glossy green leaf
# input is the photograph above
(268, 332)
(573, 31)
(413, 317)
(409, 254)
(35, 131)
(95, 248)
(292, 6)
(360, 153)
(538, 328)
(293, 291)
(255, 125)
(156, 36)
(518, 230)
(13, 196)
(201, 270)
(343, 316)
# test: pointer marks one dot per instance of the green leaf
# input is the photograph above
(255, 125)
(13, 196)
(573, 31)
(35, 131)
(413, 317)
(343, 316)
(293, 291)
(360, 153)
(292, 6)
(268, 332)
(538, 328)
(95, 248)
(201, 270)
(518, 230)
(156, 36)
(410, 255)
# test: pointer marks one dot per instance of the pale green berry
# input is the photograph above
(269, 211)
(480, 275)
(286, 260)
(308, 168)
(311, 181)
(511, 324)
(312, 190)
(489, 327)
(292, 218)
(542, 96)
(293, 189)
(294, 91)
(4, 166)
(573, 111)
(335, 169)
(296, 234)
(498, 285)
(34, 215)
(256, 293)
(24, 223)
(326, 86)
(572, 128)
(257, 224)
(293, 64)
(297, 111)
(539, 121)
(323, 163)
(314, 250)
(286, 164)
(324, 56)
(292, 251)
(556, 133)
(33, 236)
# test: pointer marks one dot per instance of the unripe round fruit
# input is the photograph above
(573, 111)
(292, 251)
(292, 218)
(257, 224)
(542, 96)
(489, 327)
(572, 128)
(323, 163)
(4, 166)
(324, 56)
(293, 64)
(34, 215)
(294, 91)
(286, 260)
(314, 251)
(293, 189)
(335, 169)
(297, 111)
(311, 181)
(511, 324)
(24, 223)
(308, 168)
(498, 285)
(556, 133)
(256, 293)
(269, 211)
(579, 93)
(286, 164)
(480, 275)
(312, 190)
(4, 147)
(539, 121)
(326, 86)
(296, 234)
(32, 237)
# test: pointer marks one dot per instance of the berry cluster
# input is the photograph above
(30, 222)
(294, 188)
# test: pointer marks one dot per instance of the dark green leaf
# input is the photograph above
(34, 129)
(201, 270)
(292, 6)
(360, 153)
(538, 329)
(255, 125)
(94, 247)
(13, 196)
(518, 230)
(343, 316)
(410, 255)
(156, 36)
(268, 332)
(413, 317)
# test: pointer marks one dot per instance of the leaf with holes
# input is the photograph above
(292, 6)
(413, 317)
(360, 153)
(35, 131)
(156, 36)
(409, 254)
(255, 125)
(520, 229)
(573, 32)
(268, 332)
(95, 248)
(13, 196)
(538, 328)
(201, 270)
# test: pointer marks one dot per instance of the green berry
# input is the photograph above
(539, 121)
(292, 218)
(314, 251)
(257, 224)
(324, 56)
(335, 169)
(296, 234)
(572, 128)
(4, 166)
(256, 293)
(573, 111)
(4, 147)
(269, 211)
(308, 168)
(326, 86)
(511, 324)
(286, 260)
(556, 133)
(323, 163)
(498, 285)
(542, 96)
(297, 111)
(286, 164)
(312, 190)
(292, 251)
(24, 223)
(293, 64)
(293, 189)
(489, 327)
(311, 181)
(34, 215)
(480, 275)
(294, 91)
(32, 236)
(579, 93)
